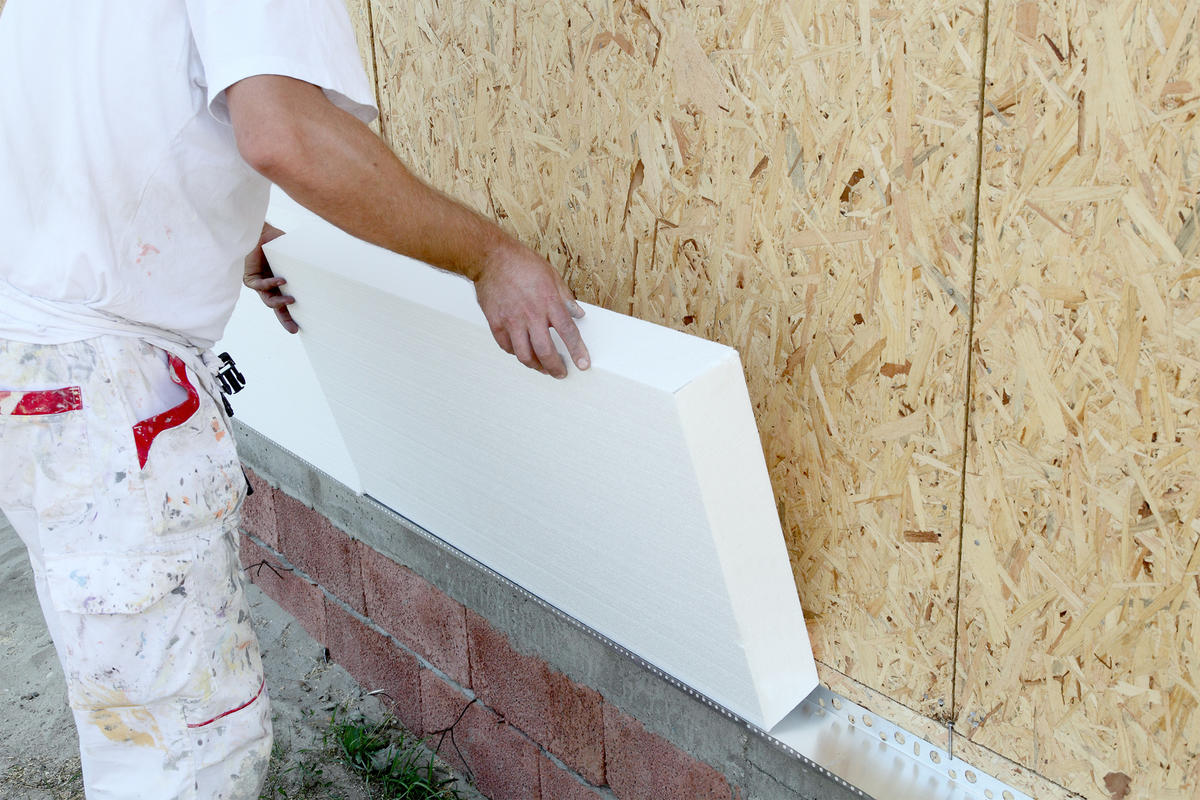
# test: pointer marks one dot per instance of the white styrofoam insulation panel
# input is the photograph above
(633, 496)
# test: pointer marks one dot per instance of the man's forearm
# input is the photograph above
(332, 164)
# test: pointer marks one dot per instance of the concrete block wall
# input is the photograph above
(540, 709)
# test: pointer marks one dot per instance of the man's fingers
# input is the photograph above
(278, 301)
(569, 333)
(264, 283)
(285, 319)
(268, 292)
(265, 286)
(502, 338)
(518, 346)
(547, 354)
(257, 275)
(523, 350)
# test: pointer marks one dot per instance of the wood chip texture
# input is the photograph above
(1080, 616)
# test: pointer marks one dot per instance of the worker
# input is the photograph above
(137, 144)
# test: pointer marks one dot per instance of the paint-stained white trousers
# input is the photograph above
(119, 472)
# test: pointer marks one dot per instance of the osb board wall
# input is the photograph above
(1080, 617)
(793, 179)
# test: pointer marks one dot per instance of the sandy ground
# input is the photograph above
(38, 755)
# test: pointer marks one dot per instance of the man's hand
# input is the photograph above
(258, 276)
(522, 297)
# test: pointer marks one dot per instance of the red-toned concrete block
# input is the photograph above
(258, 512)
(416, 613)
(311, 542)
(288, 508)
(298, 597)
(441, 705)
(565, 718)
(301, 528)
(560, 784)
(504, 763)
(376, 662)
(642, 766)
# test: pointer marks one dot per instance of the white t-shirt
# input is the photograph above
(124, 204)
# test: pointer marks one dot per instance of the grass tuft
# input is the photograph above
(393, 764)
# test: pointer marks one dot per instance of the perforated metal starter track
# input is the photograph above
(880, 758)
(829, 734)
(869, 756)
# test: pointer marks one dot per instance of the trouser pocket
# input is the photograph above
(122, 504)
(187, 461)
(195, 645)
(47, 464)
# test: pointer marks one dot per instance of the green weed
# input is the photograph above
(391, 762)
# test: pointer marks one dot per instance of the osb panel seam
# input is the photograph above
(982, 110)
